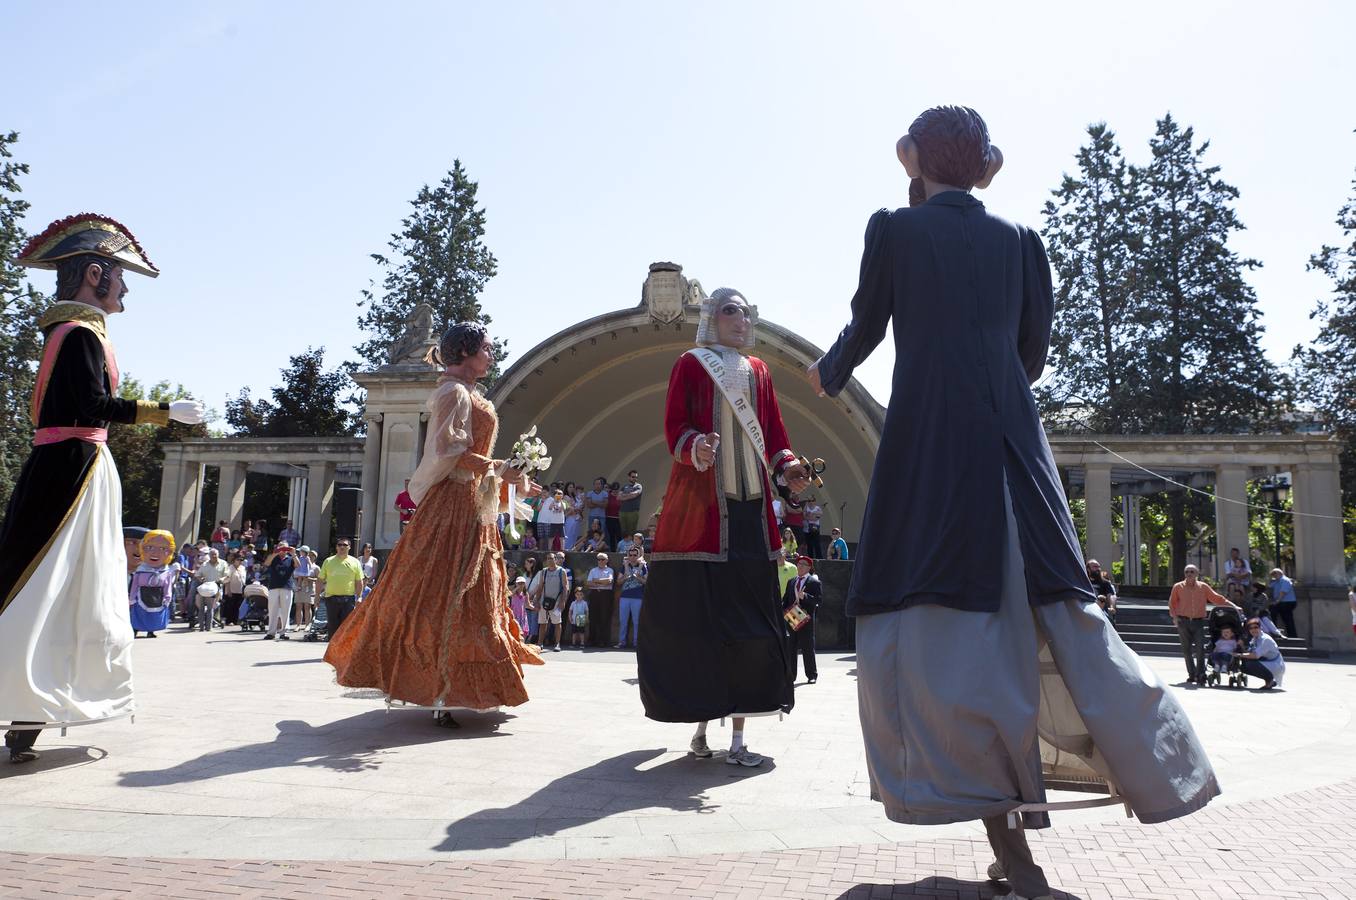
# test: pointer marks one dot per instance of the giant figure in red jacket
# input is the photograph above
(713, 642)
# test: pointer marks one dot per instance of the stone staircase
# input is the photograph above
(1145, 626)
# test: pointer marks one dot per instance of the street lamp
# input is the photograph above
(1274, 490)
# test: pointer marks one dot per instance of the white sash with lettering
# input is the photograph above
(743, 409)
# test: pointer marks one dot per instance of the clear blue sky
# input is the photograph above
(261, 151)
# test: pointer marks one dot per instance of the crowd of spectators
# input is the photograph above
(573, 517)
(277, 581)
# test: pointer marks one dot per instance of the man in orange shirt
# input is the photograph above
(1187, 608)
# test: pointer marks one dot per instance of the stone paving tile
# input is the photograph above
(1213, 855)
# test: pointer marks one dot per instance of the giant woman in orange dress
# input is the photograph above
(436, 630)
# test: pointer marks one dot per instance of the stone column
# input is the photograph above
(1231, 519)
(1097, 501)
(319, 506)
(1130, 540)
(231, 493)
(370, 480)
(1318, 535)
(399, 457)
(180, 482)
(296, 504)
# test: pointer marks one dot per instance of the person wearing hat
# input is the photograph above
(279, 567)
(804, 591)
(62, 558)
(713, 644)
(131, 545)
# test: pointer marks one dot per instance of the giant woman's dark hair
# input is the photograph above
(458, 342)
(953, 148)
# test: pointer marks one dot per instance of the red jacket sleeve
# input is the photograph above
(680, 428)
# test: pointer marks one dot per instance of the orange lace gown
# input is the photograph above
(437, 629)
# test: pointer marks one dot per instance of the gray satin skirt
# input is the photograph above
(959, 709)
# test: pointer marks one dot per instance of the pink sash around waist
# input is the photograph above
(65, 433)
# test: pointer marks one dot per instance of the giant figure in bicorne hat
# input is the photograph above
(65, 637)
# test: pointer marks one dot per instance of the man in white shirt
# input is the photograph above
(814, 516)
(548, 590)
(601, 579)
(212, 571)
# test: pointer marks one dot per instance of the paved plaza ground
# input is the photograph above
(249, 772)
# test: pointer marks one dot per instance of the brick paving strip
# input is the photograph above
(1292, 847)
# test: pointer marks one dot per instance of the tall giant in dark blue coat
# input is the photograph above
(970, 299)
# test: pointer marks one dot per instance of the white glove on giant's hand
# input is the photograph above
(190, 412)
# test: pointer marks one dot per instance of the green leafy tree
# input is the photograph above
(20, 341)
(1327, 366)
(1093, 246)
(309, 403)
(438, 257)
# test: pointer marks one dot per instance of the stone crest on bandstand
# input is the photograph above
(667, 293)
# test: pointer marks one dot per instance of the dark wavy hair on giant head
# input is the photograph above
(71, 274)
(458, 342)
(953, 145)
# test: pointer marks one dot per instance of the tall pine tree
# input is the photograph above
(438, 257)
(1093, 248)
(1204, 366)
(1327, 367)
(20, 341)
(1207, 372)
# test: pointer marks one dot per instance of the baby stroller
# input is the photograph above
(254, 609)
(1217, 620)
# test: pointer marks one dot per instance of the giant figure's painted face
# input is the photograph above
(155, 551)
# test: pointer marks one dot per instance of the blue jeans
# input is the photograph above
(630, 613)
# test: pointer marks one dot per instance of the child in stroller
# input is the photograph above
(254, 608)
(1225, 631)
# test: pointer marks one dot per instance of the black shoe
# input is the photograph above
(150, 634)
(268, 637)
(22, 756)
(284, 637)
(445, 720)
(1268, 686)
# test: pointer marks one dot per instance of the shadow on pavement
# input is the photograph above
(679, 784)
(937, 887)
(50, 758)
(355, 744)
(289, 662)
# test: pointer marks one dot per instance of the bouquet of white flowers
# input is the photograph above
(529, 453)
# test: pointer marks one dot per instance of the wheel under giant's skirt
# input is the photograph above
(960, 710)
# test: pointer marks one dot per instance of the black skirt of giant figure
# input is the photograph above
(712, 641)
